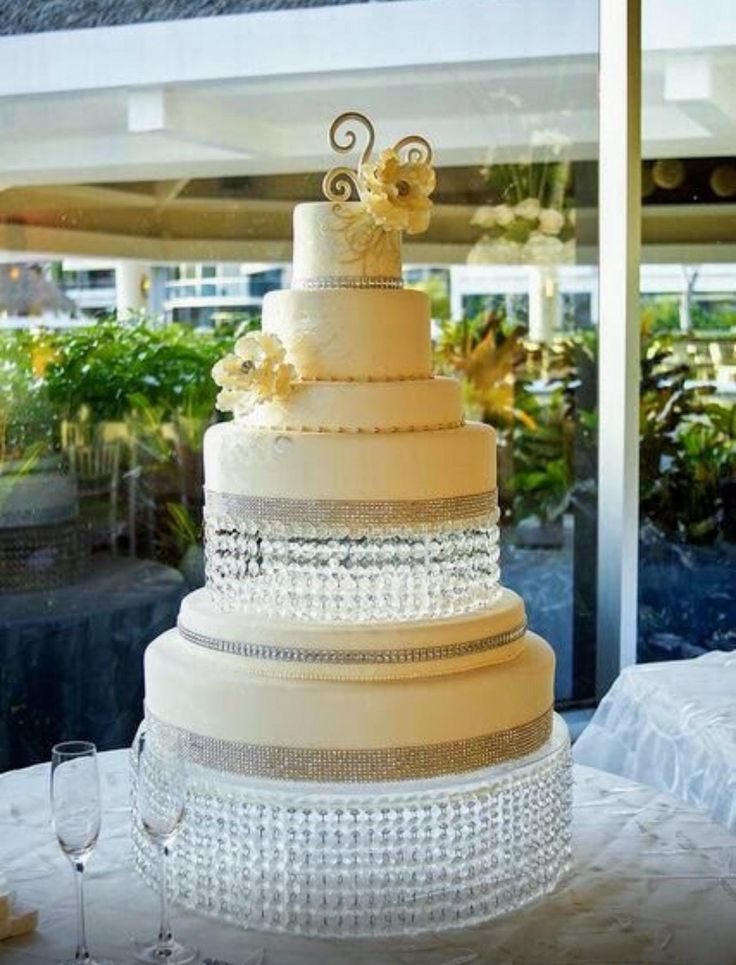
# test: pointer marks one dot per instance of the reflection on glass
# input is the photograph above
(107, 340)
(688, 343)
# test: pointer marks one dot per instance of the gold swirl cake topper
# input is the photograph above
(395, 189)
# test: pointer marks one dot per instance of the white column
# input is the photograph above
(131, 279)
(544, 301)
(618, 360)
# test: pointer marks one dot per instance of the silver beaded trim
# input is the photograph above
(352, 513)
(326, 282)
(358, 765)
(467, 648)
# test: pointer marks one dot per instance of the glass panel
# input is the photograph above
(687, 565)
(143, 227)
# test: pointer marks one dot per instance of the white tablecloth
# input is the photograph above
(653, 882)
(673, 726)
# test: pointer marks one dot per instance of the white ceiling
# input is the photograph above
(254, 94)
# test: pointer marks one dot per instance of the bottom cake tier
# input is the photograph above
(374, 859)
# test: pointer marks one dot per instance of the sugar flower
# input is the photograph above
(256, 372)
(396, 193)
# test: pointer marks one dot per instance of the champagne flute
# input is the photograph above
(161, 799)
(76, 814)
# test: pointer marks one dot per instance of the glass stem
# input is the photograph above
(165, 937)
(82, 953)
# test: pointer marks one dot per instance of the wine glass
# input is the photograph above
(161, 798)
(76, 815)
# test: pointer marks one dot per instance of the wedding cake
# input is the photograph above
(367, 717)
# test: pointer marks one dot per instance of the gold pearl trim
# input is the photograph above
(358, 765)
(364, 378)
(373, 430)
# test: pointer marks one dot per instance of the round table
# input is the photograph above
(71, 658)
(653, 882)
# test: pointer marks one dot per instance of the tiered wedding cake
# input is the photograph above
(368, 719)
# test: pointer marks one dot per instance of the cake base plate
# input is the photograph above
(352, 860)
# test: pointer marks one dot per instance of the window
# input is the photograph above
(187, 228)
(688, 338)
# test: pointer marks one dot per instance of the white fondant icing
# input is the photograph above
(412, 646)
(362, 335)
(326, 465)
(333, 238)
(219, 695)
(362, 407)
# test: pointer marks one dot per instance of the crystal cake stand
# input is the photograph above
(371, 860)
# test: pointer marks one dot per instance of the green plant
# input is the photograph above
(687, 449)
(659, 313)
(487, 353)
(184, 530)
(536, 431)
(27, 417)
(437, 290)
(542, 481)
(106, 366)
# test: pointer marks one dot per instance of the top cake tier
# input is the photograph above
(337, 245)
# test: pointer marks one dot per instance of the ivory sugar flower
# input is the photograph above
(256, 372)
(396, 193)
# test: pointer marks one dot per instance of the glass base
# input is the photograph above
(375, 859)
(173, 952)
(325, 578)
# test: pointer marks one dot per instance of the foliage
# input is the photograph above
(487, 354)
(714, 317)
(687, 449)
(661, 314)
(542, 480)
(436, 289)
(535, 428)
(27, 417)
(106, 366)
(183, 529)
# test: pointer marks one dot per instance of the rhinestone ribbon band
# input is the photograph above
(468, 648)
(353, 513)
(346, 281)
(359, 765)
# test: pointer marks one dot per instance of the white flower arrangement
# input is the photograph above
(525, 233)
(535, 221)
(256, 372)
